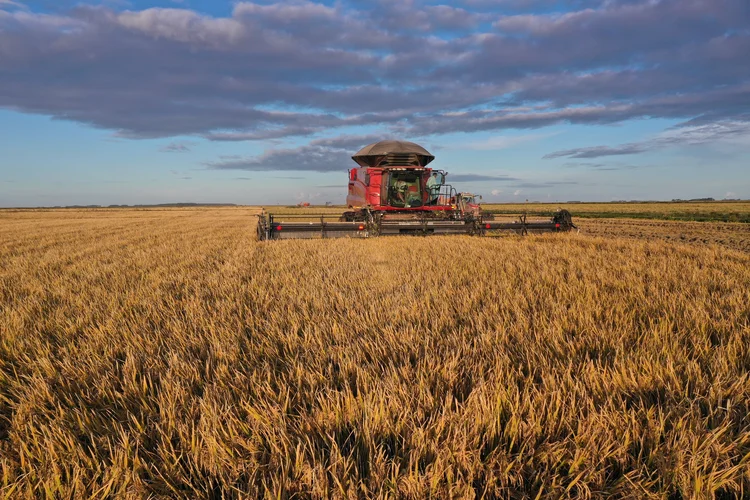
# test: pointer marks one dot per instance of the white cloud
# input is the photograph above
(501, 142)
(177, 147)
(302, 196)
(730, 195)
(181, 25)
(731, 132)
(497, 192)
(4, 4)
(516, 192)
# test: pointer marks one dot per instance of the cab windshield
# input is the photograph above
(405, 189)
(470, 199)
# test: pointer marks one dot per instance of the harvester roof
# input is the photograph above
(393, 153)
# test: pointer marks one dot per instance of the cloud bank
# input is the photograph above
(414, 69)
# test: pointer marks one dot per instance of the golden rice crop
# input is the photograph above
(166, 353)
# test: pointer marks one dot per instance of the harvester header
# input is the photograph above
(392, 191)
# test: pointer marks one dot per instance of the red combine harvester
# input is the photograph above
(393, 192)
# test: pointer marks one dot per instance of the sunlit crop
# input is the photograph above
(166, 353)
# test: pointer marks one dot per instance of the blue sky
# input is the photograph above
(126, 102)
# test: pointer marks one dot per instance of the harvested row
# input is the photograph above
(713, 211)
(735, 235)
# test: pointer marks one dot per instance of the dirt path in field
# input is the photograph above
(731, 235)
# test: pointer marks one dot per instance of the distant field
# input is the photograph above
(167, 354)
(699, 212)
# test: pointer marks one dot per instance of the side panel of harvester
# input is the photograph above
(375, 186)
(357, 194)
(365, 187)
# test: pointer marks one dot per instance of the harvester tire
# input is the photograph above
(564, 218)
(350, 217)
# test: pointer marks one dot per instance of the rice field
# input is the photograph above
(167, 354)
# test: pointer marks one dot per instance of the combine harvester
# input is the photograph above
(392, 192)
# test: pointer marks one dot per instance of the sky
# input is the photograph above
(212, 101)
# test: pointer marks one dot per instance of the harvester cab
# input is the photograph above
(393, 191)
(393, 177)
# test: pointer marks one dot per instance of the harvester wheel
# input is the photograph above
(261, 231)
(350, 217)
(565, 220)
(262, 226)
